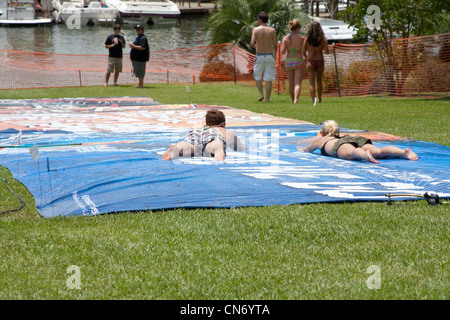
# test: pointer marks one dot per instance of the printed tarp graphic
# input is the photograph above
(103, 155)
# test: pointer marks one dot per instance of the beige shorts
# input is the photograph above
(264, 68)
(114, 64)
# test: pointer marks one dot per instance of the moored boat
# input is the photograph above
(77, 13)
(336, 30)
(145, 11)
(21, 12)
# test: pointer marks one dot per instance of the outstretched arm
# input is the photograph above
(315, 144)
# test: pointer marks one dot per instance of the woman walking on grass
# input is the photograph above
(314, 47)
(292, 44)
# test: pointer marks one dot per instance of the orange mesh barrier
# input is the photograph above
(398, 67)
(226, 62)
(407, 66)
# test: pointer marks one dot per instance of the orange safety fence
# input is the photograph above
(398, 67)
(225, 62)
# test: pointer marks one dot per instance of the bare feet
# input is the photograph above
(105, 85)
(370, 158)
(410, 155)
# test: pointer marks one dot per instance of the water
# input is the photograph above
(187, 31)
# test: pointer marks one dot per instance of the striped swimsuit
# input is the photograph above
(200, 137)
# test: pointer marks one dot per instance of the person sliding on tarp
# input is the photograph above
(352, 147)
(210, 141)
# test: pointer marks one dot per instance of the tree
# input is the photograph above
(237, 18)
(384, 20)
(397, 18)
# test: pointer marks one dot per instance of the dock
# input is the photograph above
(206, 7)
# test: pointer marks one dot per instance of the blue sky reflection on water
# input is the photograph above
(185, 32)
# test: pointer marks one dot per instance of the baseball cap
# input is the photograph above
(139, 26)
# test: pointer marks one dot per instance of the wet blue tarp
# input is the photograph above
(103, 155)
(93, 174)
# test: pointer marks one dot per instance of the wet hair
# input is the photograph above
(315, 34)
(215, 118)
(330, 128)
(294, 25)
(263, 16)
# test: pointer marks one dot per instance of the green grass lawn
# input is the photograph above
(318, 251)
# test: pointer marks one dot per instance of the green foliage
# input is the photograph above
(441, 24)
(399, 18)
(237, 19)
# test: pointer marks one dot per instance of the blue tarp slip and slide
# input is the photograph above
(88, 173)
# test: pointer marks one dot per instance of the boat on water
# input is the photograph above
(336, 30)
(145, 11)
(21, 12)
(77, 13)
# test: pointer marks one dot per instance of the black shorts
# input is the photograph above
(356, 141)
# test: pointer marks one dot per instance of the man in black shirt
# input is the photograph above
(139, 54)
(115, 43)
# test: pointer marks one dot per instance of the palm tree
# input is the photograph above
(237, 18)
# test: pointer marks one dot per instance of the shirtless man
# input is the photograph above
(264, 40)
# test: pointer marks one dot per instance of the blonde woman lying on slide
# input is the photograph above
(352, 147)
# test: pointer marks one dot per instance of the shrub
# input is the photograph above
(217, 71)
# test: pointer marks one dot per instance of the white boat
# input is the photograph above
(22, 14)
(145, 11)
(336, 30)
(323, 6)
(76, 13)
